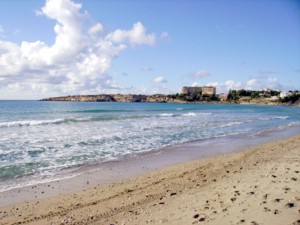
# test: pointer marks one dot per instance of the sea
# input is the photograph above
(41, 139)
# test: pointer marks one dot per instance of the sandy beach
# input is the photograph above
(257, 186)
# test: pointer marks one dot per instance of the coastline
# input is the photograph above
(127, 180)
(161, 98)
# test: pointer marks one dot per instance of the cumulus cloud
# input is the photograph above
(136, 36)
(252, 84)
(200, 74)
(263, 83)
(160, 80)
(224, 87)
(79, 59)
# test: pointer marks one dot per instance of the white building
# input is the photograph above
(284, 94)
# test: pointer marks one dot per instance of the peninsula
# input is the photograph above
(266, 97)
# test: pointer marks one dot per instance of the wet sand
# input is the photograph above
(260, 185)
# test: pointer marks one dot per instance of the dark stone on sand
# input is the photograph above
(196, 216)
(233, 199)
(290, 205)
(202, 219)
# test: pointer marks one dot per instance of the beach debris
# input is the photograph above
(233, 199)
(202, 219)
(265, 196)
(196, 216)
(278, 199)
(290, 205)
(199, 217)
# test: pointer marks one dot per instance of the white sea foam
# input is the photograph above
(231, 124)
(281, 117)
(189, 114)
(166, 114)
(30, 123)
(192, 114)
(116, 133)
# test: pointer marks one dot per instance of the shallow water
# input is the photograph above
(39, 139)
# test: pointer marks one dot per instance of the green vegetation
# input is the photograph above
(235, 95)
(291, 99)
(240, 96)
(194, 97)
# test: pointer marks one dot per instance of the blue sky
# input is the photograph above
(129, 46)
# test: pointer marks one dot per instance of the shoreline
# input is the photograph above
(87, 176)
(255, 186)
(190, 173)
(173, 98)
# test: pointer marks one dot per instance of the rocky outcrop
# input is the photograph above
(160, 98)
(114, 98)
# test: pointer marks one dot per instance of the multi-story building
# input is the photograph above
(191, 90)
(205, 90)
(208, 90)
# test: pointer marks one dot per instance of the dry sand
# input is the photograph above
(257, 186)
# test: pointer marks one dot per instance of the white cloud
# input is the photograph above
(196, 84)
(96, 30)
(136, 36)
(160, 80)
(224, 87)
(230, 84)
(263, 83)
(252, 84)
(200, 74)
(79, 59)
(164, 35)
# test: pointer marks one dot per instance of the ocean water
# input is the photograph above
(40, 139)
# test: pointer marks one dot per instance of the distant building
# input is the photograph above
(274, 98)
(223, 97)
(191, 90)
(208, 90)
(205, 90)
(284, 94)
